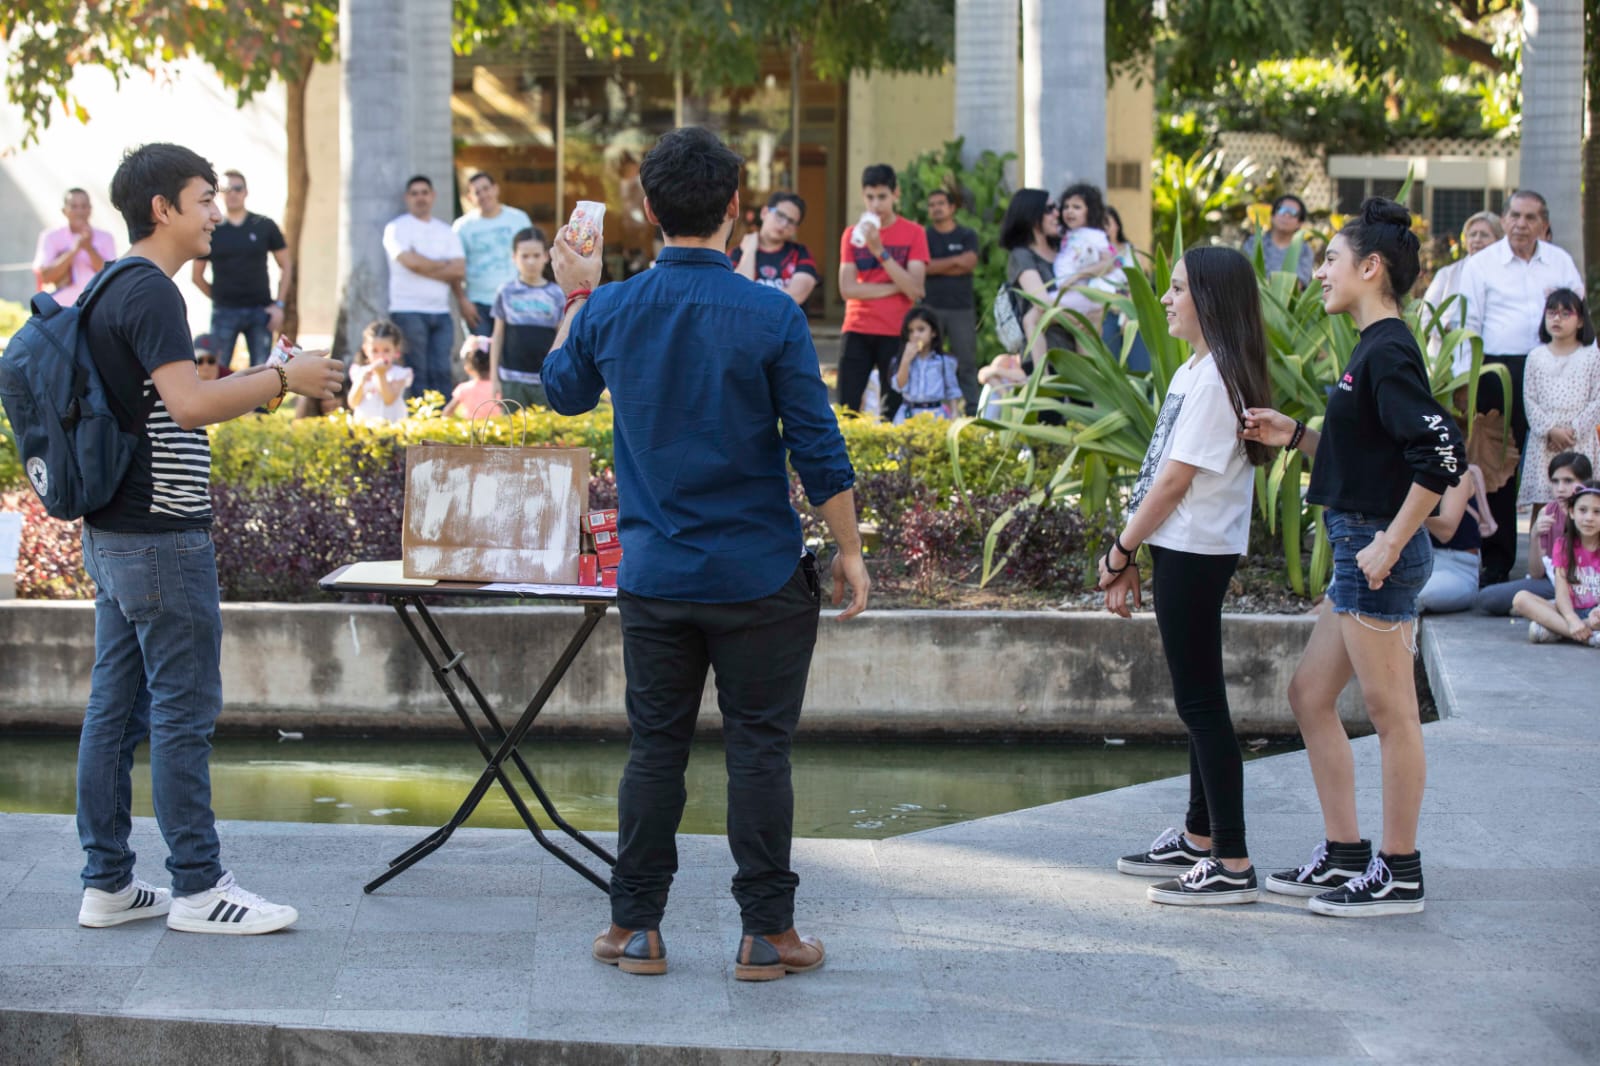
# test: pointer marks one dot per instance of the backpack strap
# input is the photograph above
(98, 283)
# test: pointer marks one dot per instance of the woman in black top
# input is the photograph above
(1386, 453)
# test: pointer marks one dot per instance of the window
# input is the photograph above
(1452, 208)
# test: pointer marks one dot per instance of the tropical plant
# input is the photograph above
(1196, 195)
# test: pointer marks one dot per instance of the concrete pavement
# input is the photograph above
(1005, 939)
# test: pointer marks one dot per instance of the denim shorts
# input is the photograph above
(1396, 600)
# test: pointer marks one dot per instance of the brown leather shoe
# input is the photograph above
(639, 951)
(767, 958)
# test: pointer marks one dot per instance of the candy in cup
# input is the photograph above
(585, 226)
(858, 235)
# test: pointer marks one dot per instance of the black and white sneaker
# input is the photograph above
(100, 910)
(1170, 854)
(1209, 884)
(1391, 885)
(1331, 865)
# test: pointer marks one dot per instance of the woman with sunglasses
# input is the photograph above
(1385, 455)
(207, 364)
(1288, 216)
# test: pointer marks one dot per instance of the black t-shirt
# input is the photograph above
(778, 268)
(1383, 430)
(139, 324)
(949, 290)
(239, 261)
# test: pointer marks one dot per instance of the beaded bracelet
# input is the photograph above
(1299, 432)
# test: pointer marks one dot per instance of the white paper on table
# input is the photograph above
(386, 572)
(584, 591)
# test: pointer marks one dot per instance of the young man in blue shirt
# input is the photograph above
(716, 391)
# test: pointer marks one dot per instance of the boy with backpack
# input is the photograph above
(158, 623)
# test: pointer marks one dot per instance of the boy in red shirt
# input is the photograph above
(880, 280)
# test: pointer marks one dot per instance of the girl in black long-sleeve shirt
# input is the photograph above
(1386, 453)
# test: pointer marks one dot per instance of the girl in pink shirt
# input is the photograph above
(477, 391)
(1575, 613)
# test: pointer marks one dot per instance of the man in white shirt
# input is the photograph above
(425, 260)
(1505, 286)
(486, 233)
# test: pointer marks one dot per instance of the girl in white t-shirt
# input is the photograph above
(1191, 504)
(379, 378)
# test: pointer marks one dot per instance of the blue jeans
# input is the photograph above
(428, 340)
(485, 319)
(157, 674)
(228, 322)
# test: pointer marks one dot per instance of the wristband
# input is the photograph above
(1117, 540)
(574, 296)
(885, 255)
(283, 389)
(1299, 432)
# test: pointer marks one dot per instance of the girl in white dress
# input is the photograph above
(1562, 391)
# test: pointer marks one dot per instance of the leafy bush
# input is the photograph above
(50, 557)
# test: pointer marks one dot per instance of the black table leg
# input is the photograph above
(508, 741)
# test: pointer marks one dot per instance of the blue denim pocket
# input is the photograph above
(133, 579)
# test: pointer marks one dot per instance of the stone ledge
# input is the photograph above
(351, 668)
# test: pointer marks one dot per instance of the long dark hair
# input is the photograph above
(928, 315)
(1023, 215)
(1228, 303)
(1384, 227)
(1569, 532)
(1567, 300)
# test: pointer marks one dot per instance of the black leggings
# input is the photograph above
(1188, 591)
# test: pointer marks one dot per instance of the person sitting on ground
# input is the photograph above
(474, 398)
(526, 312)
(925, 376)
(1561, 388)
(1574, 614)
(1455, 535)
(1566, 472)
(379, 378)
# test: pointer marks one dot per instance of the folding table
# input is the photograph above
(497, 745)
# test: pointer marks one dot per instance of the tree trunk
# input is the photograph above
(1552, 114)
(298, 185)
(986, 78)
(1064, 92)
(1591, 148)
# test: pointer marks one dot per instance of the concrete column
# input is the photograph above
(394, 121)
(1063, 92)
(986, 77)
(1552, 113)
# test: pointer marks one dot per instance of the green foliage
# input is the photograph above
(1196, 196)
(247, 42)
(985, 193)
(719, 43)
(12, 316)
(1317, 102)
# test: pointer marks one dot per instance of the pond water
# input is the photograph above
(842, 789)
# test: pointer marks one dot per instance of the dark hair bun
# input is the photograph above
(1376, 210)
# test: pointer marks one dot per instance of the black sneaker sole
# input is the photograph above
(1376, 908)
(1157, 894)
(1135, 868)
(1300, 888)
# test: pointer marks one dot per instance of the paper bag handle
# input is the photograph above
(475, 437)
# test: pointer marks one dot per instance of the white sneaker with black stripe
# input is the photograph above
(1170, 855)
(101, 910)
(227, 908)
(1209, 884)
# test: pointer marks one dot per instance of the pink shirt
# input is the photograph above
(1586, 583)
(54, 243)
(469, 395)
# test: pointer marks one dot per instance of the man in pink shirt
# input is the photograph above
(68, 257)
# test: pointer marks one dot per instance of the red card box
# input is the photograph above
(608, 578)
(599, 521)
(588, 570)
(610, 558)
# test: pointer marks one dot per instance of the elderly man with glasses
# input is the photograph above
(239, 289)
(1288, 217)
(771, 255)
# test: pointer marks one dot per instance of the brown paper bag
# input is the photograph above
(480, 513)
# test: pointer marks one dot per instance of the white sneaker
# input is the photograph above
(139, 900)
(227, 908)
(1538, 634)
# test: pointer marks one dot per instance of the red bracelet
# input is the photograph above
(574, 296)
